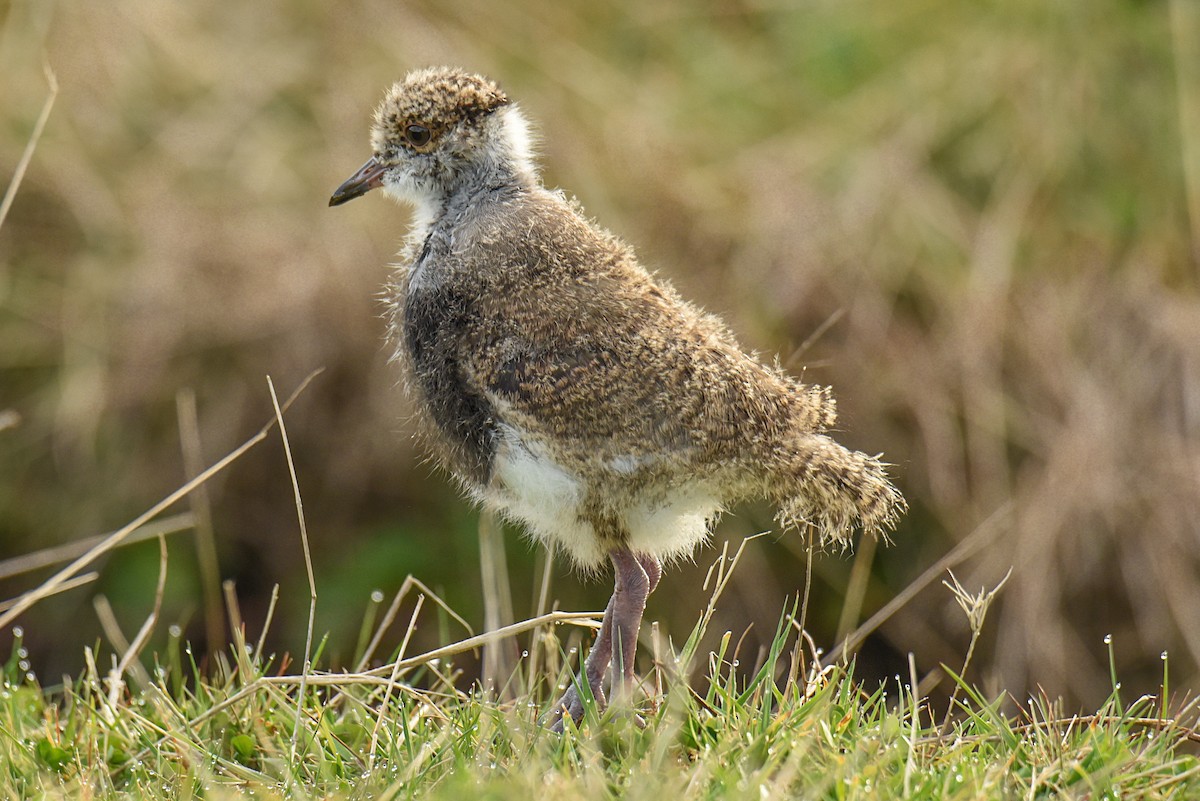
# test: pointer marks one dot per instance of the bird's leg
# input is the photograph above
(653, 569)
(622, 619)
(593, 671)
(629, 603)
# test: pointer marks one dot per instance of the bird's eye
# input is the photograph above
(417, 135)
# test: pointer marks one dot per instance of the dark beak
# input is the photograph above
(367, 178)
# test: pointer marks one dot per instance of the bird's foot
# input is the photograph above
(571, 705)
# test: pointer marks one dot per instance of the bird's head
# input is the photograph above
(437, 130)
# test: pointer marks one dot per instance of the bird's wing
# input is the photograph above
(593, 395)
(579, 346)
(635, 392)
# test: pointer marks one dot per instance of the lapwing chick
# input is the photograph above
(570, 389)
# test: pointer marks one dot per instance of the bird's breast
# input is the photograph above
(438, 320)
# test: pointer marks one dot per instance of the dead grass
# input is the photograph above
(999, 201)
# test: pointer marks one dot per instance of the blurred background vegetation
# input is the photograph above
(989, 211)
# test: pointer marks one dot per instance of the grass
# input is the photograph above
(786, 721)
(793, 723)
(246, 726)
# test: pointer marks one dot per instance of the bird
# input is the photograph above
(572, 390)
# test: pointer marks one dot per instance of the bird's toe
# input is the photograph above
(571, 705)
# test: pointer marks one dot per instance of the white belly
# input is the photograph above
(531, 488)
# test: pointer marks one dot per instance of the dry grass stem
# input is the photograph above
(129, 651)
(266, 626)
(118, 640)
(856, 586)
(237, 625)
(540, 606)
(718, 576)
(143, 635)
(392, 682)
(975, 606)
(794, 357)
(914, 714)
(586, 619)
(206, 544)
(23, 163)
(312, 582)
(1164, 724)
(46, 557)
(497, 598)
(78, 581)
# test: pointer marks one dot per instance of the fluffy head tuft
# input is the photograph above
(438, 98)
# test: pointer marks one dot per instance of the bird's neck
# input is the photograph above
(482, 182)
(477, 187)
(437, 216)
